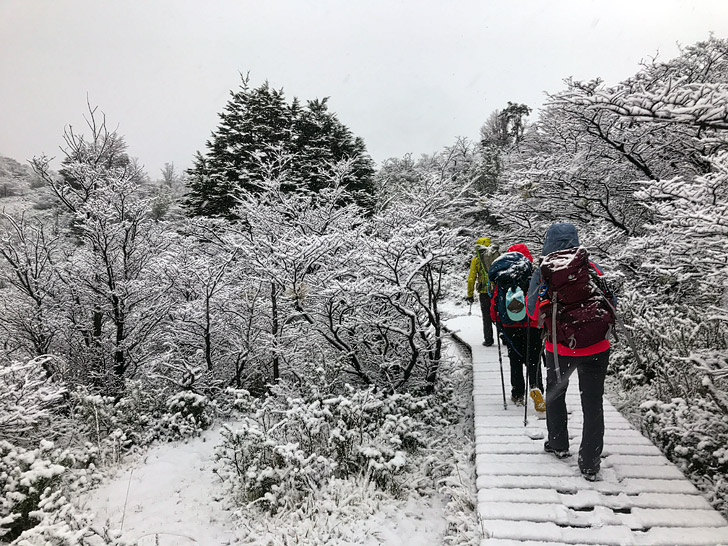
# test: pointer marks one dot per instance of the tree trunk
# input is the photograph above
(208, 335)
(274, 331)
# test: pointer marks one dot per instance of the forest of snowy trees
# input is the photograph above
(285, 281)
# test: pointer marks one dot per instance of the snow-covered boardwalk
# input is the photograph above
(526, 496)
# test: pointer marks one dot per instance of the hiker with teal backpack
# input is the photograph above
(485, 253)
(510, 275)
(576, 306)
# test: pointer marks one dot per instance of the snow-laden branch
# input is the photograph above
(703, 105)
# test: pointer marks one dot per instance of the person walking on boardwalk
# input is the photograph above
(485, 253)
(568, 296)
(510, 275)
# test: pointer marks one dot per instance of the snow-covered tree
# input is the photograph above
(30, 300)
(113, 301)
(260, 137)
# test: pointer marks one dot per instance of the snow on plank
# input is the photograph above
(586, 498)
(612, 535)
(599, 515)
(518, 445)
(653, 472)
(575, 483)
(509, 542)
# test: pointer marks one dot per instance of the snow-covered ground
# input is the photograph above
(171, 495)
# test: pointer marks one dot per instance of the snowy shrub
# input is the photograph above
(36, 482)
(60, 523)
(138, 418)
(458, 485)
(269, 474)
(291, 446)
(665, 337)
(106, 424)
(36, 485)
(694, 435)
(187, 415)
(27, 478)
(235, 400)
(27, 398)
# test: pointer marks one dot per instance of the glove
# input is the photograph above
(470, 299)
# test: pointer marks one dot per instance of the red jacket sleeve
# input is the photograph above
(493, 314)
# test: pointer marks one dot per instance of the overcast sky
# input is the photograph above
(407, 76)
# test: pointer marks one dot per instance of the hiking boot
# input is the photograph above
(590, 475)
(517, 400)
(560, 453)
(538, 401)
(488, 343)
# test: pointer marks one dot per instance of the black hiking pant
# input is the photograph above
(516, 342)
(592, 370)
(487, 324)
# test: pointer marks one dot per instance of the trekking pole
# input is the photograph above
(557, 368)
(500, 360)
(527, 360)
(470, 309)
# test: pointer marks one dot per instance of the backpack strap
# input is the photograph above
(483, 270)
(553, 338)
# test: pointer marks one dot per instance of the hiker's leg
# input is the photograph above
(592, 371)
(556, 416)
(516, 349)
(534, 364)
(487, 325)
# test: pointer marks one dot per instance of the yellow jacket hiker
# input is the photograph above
(485, 254)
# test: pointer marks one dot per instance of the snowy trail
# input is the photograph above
(172, 497)
(526, 496)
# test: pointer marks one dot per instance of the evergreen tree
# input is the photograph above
(254, 127)
(262, 137)
(321, 141)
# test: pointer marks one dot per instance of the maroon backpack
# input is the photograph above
(583, 314)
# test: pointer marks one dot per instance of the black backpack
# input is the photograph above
(511, 274)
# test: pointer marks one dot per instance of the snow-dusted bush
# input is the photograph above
(27, 398)
(270, 473)
(143, 415)
(113, 427)
(339, 500)
(693, 436)
(65, 525)
(35, 486)
(27, 479)
(187, 415)
(293, 444)
(235, 400)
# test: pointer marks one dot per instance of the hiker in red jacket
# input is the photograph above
(510, 275)
(566, 296)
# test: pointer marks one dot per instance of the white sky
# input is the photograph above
(407, 76)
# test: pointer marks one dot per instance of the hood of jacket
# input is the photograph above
(560, 237)
(523, 249)
(482, 242)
